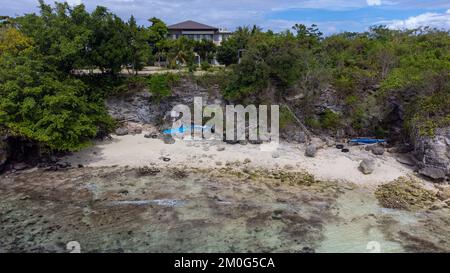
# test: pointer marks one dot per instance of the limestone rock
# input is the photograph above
(406, 159)
(3, 151)
(444, 194)
(20, 166)
(434, 153)
(317, 142)
(121, 131)
(433, 173)
(300, 137)
(377, 150)
(311, 150)
(367, 166)
(168, 139)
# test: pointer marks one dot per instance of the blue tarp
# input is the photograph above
(367, 140)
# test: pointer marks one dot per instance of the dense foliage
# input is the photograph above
(58, 66)
(51, 91)
(367, 73)
(160, 85)
(71, 38)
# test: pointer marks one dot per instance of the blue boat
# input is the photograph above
(184, 128)
(367, 140)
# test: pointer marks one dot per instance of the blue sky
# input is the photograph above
(330, 15)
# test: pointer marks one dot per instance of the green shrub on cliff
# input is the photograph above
(286, 117)
(160, 85)
(329, 119)
(369, 74)
(429, 113)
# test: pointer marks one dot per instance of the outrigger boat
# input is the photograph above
(186, 128)
(366, 140)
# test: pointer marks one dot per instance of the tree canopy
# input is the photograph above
(43, 98)
(366, 70)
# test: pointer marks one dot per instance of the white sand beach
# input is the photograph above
(329, 164)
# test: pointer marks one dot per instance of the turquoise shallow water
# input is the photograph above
(357, 229)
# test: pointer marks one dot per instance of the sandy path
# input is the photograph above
(329, 164)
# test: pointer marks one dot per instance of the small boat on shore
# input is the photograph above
(184, 128)
(366, 140)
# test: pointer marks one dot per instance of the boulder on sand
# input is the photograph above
(121, 131)
(168, 139)
(134, 128)
(300, 137)
(377, 150)
(367, 166)
(317, 142)
(406, 159)
(433, 173)
(311, 150)
(137, 131)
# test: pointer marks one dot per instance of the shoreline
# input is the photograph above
(329, 164)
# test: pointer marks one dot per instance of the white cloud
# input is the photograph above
(373, 2)
(431, 19)
(232, 13)
(74, 2)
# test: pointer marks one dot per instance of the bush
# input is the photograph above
(428, 113)
(358, 118)
(329, 119)
(192, 68)
(205, 66)
(209, 80)
(312, 123)
(286, 117)
(160, 84)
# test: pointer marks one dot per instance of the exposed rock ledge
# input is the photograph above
(3, 151)
(434, 154)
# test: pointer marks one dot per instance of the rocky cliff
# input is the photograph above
(4, 151)
(434, 154)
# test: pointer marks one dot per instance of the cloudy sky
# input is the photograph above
(330, 15)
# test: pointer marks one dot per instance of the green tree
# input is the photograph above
(180, 52)
(60, 34)
(107, 48)
(227, 52)
(206, 49)
(13, 41)
(36, 103)
(310, 36)
(138, 50)
(157, 32)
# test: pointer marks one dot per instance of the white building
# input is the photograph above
(197, 31)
